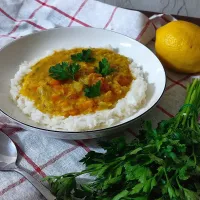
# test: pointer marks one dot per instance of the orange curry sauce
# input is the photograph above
(65, 98)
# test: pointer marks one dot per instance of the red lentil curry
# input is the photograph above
(96, 82)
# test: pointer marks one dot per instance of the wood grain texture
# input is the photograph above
(189, 8)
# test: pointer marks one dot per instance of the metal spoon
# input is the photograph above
(8, 158)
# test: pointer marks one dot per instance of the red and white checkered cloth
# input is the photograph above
(43, 156)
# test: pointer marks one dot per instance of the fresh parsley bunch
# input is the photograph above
(161, 164)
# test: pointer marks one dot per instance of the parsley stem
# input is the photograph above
(166, 175)
(193, 154)
(178, 183)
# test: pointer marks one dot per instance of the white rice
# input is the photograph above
(124, 108)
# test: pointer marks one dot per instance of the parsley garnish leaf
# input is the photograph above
(84, 56)
(73, 69)
(104, 68)
(64, 71)
(93, 91)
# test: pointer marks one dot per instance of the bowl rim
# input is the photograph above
(88, 131)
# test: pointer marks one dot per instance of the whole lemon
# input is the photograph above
(178, 46)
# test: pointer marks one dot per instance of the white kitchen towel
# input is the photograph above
(41, 155)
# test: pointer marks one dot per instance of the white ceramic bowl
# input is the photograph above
(36, 45)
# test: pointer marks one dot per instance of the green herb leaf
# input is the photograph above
(171, 192)
(135, 151)
(147, 186)
(93, 91)
(108, 183)
(183, 173)
(156, 159)
(118, 171)
(92, 158)
(73, 69)
(190, 195)
(61, 185)
(116, 146)
(137, 172)
(104, 68)
(137, 188)
(84, 56)
(153, 182)
(64, 71)
(122, 194)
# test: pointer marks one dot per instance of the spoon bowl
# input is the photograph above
(8, 158)
(8, 152)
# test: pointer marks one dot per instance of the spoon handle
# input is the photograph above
(43, 190)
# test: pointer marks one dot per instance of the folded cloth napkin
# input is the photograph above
(43, 156)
